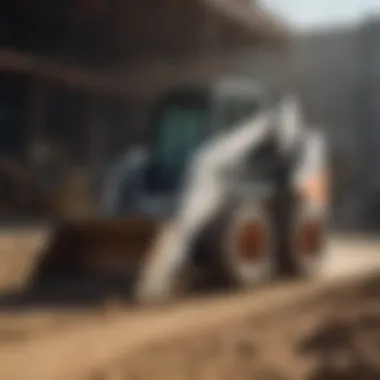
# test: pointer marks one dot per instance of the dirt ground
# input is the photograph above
(18, 252)
(334, 336)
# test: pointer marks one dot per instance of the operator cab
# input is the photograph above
(186, 118)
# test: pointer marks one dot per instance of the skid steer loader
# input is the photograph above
(229, 184)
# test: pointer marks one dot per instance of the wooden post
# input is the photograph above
(35, 120)
(97, 142)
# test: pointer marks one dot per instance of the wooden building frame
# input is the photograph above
(200, 38)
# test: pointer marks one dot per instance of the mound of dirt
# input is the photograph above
(337, 337)
(333, 336)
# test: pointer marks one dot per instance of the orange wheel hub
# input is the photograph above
(309, 238)
(251, 241)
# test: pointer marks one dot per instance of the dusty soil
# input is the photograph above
(334, 336)
(19, 249)
(24, 315)
(337, 337)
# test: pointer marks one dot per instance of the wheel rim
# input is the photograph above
(249, 252)
(250, 241)
(308, 242)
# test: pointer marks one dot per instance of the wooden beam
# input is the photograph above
(35, 122)
(96, 144)
(259, 23)
(145, 77)
(37, 96)
(137, 78)
(119, 29)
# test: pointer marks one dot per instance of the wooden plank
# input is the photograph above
(138, 78)
(36, 109)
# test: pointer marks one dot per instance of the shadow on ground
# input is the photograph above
(70, 294)
(346, 345)
(90, 292)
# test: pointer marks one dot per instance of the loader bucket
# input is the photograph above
(94, 249)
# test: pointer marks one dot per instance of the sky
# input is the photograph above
(307, 14)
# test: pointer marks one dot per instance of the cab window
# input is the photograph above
(181, 128)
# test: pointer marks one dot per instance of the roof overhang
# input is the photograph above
(205, 39)
(261, 26)
(135, 79)
(124, 29)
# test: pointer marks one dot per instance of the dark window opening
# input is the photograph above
(13, 127)
(66, 125)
